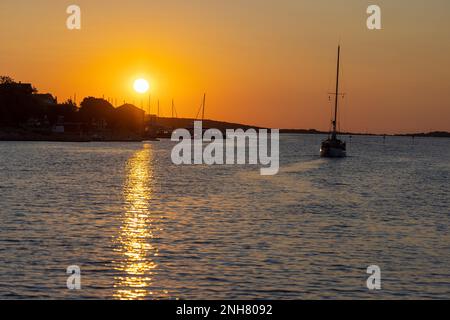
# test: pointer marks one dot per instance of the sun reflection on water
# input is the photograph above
(136, 265)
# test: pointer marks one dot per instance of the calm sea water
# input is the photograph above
(142, 228)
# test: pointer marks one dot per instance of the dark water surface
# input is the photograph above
(140, 227)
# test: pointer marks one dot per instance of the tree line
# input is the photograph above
(21, 105)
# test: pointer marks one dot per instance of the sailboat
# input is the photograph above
(333, 147)
(202, 109)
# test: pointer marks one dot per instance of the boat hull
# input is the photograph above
(330, 152)
(333, 148)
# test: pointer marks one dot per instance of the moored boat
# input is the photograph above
(332, 147)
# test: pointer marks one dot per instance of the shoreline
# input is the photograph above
(35, 137)
(22, 135)
(162, 129)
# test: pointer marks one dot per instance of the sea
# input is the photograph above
(136, 226)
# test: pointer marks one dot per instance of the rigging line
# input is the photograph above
(339, 116)
(340, 113)
(342, 93)
(331, 73)
(345, 105)
(329, 88)
(344, 79)
(198, 112)
(330, 108)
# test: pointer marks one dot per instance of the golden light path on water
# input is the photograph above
(134, 242)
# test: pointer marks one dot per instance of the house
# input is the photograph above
(16, 88)
(130, 118)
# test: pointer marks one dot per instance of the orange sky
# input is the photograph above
(268, 63)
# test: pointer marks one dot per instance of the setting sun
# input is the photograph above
(141, 85)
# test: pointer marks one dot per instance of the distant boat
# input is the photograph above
(202, 109)
(333, 147)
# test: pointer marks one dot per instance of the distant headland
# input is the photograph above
(26, 115)
(435, 134)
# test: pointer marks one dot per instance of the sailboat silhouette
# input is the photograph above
(333, 147)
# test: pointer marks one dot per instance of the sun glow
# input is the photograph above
(141, 86)
(135, 241)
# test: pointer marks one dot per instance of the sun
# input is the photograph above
(141, 86)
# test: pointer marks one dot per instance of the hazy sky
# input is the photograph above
(261, 62)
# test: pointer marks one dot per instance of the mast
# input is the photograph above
(336, 95)
(172, 108)
(203, 109)
(149, 104)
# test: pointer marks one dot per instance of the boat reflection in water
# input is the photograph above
(136, 263)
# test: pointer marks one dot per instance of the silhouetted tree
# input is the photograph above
(6, 79)
(16, 102)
